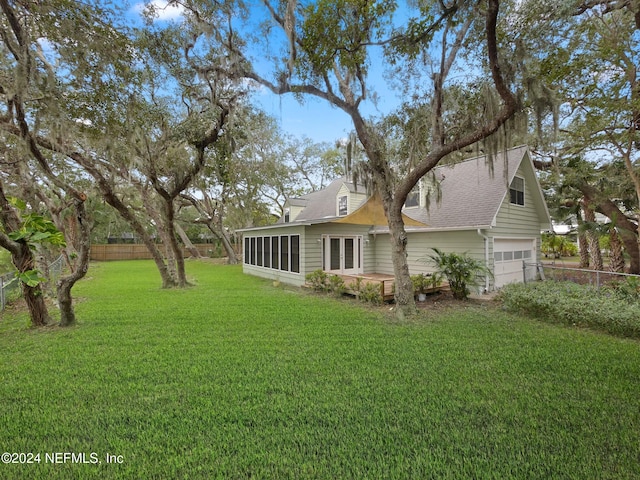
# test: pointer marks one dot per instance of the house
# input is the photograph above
(494, 211)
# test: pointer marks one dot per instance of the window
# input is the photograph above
(342, 205)
(511, 256)
(295, 253)
(287, 215)
(259, 251)
(275, 258)
(516, 191)
(267, 252)
(413, 199)
(252, 251)
(280, 252)
(284, 252)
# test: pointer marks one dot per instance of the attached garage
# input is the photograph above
(508, 257)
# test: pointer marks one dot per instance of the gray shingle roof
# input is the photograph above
(471, 193)
(321, 205)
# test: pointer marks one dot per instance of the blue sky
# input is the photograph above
(314, 118)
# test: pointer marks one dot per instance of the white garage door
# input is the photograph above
(508, 255)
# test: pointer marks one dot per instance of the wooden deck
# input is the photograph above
(385, 282)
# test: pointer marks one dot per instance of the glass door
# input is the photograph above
(343, 255)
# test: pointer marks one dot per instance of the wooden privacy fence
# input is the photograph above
(134, 251)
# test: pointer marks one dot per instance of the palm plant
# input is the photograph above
(461, 271)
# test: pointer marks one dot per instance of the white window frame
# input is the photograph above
(512, 188)
(346, 205)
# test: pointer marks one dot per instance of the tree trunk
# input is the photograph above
(195, 253)
(627, 230)
(404, 292)
(23, 259)
(107, 190)
(593, 238)
(80, 267)
(232, 258)
(583, 245)
(616, 258)
(33, 296)
(173, 248)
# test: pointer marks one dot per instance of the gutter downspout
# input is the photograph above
(486, 259)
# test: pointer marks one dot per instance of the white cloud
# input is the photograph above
(160, 10)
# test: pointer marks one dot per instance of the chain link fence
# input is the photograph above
(9, 289)
(596, 278)
(10, 286)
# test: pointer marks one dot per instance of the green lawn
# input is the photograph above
(234, 378)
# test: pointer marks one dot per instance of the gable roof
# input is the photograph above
(472, 191)
(321, 204)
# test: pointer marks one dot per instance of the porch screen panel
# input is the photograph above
(252, 249)
(284, 252)
(267, 252)
(274, 253)
(259, 251)
(348, 253)
(246, 250)
(295, 253)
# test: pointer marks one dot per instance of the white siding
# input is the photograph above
(354, 199)
(294, 212)
(516, 221)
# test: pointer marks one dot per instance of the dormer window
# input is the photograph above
(516, 191)
(413, 199)
(287, 215)
(342, 205)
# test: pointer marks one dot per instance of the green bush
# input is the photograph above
(627, 289)
(557, 246)
(460, 270)
(573, 304)
(318, 280)
(370, 293)
(5, 262)
(336, 285)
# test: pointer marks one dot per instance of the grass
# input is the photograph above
(234, 378)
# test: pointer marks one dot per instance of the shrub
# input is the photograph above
(627, 290)
(318, 280)
(356, 286)
(419, 282)
(336, 285)
(460, 270)
(573, 304)
(370, 293)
